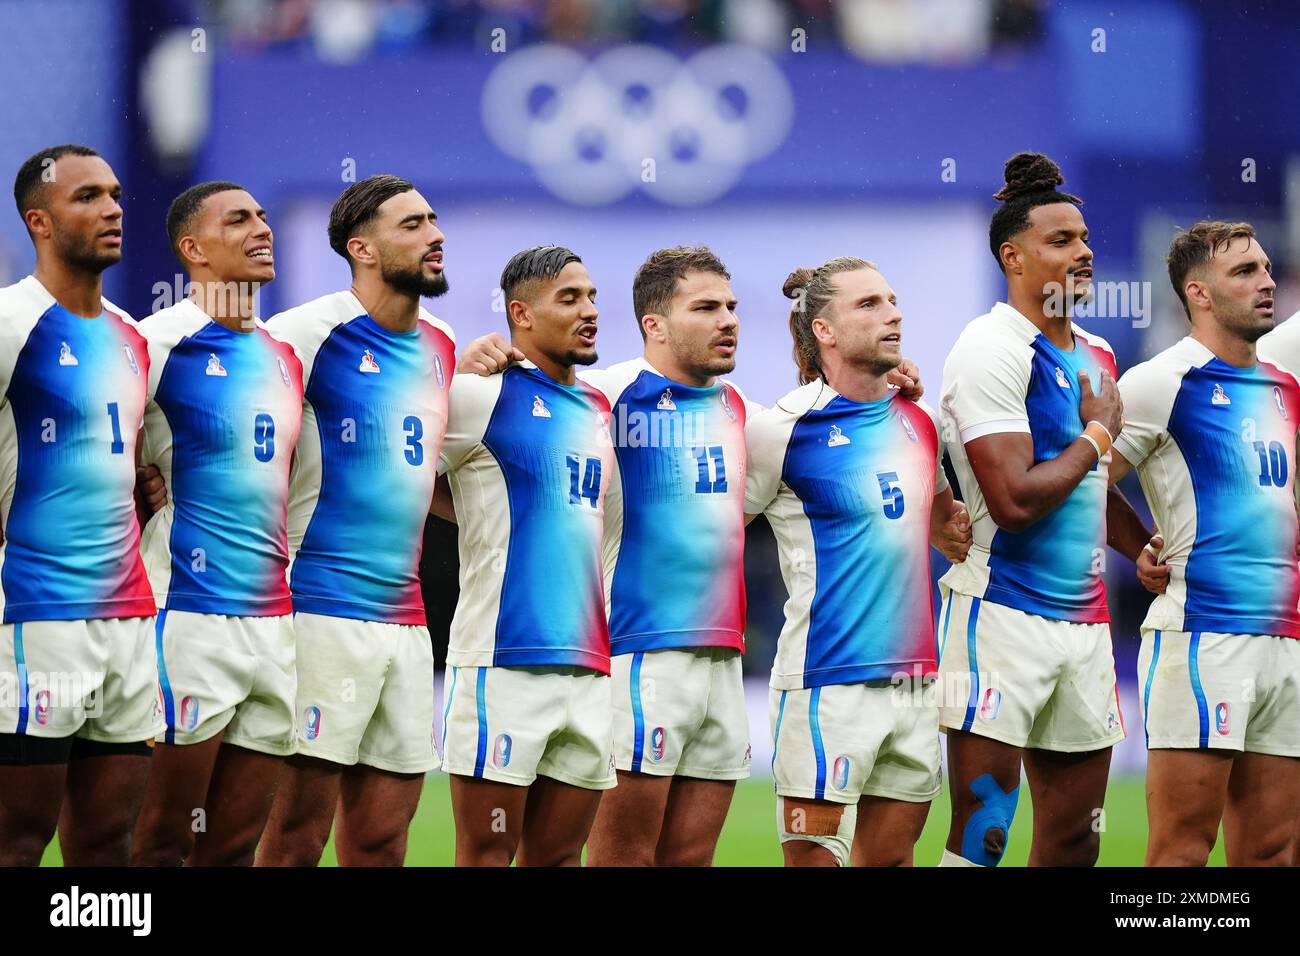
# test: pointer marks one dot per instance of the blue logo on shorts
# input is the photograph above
(840, 773)
(657, 737)
(992, 704)
(189, 712)
(1222, 723)
(311, 722)
(501, 751)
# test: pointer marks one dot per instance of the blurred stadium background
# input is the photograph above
(780, 132)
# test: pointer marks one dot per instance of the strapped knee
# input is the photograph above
(829, 825)
(984, 839)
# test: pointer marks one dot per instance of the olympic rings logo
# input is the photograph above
(637, 117)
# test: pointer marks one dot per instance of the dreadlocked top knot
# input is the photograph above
(1027, 173)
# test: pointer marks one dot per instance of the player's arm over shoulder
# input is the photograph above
(767, 435)
(470, 404)
(1148, 391)
(985, 382)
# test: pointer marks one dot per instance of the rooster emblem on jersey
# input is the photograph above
(368, 363)
(837, 438)
(1219, 397)
(539, 408)
(666, 402)
(214, 366)
(65, 355)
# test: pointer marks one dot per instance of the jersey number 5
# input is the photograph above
(589, 485)
(891, 493)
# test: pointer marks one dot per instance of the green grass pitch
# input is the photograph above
(749, 837)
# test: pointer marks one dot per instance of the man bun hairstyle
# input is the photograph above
(1031, 181)
(811, 290)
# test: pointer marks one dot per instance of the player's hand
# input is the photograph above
(1153, 572)
(149, 482)
(908, 379)
(1104, 405)
(487, 355)
(954, 538)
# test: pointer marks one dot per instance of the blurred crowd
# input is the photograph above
(878, 30)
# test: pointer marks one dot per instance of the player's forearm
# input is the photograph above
(941, 510)
(1043, 488)
(443, 506)
(1125, 531)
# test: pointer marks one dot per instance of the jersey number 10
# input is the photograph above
(1272, 463)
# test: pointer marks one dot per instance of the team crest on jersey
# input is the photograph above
(284, 371)
(840, 773)
(130, 359)
(214, 366)
(539, 408)
(726, 404)
(189, 713)
(65, 354)
(666, 402)
(1277, 400)
(501, 751)
(991, 704)
(907, 427)
(311, 722)
(1219, 396)
(1222, 721)
(437, 371)
(1061, 380)
(658, 736)
(43, 708)
(1112, 721)
(837, 438)
(368, 363)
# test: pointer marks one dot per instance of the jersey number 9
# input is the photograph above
(263, 437)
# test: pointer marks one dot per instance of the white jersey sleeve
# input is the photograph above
(1148, 394)
(473, 398)
(985, 382)
(767, 435)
